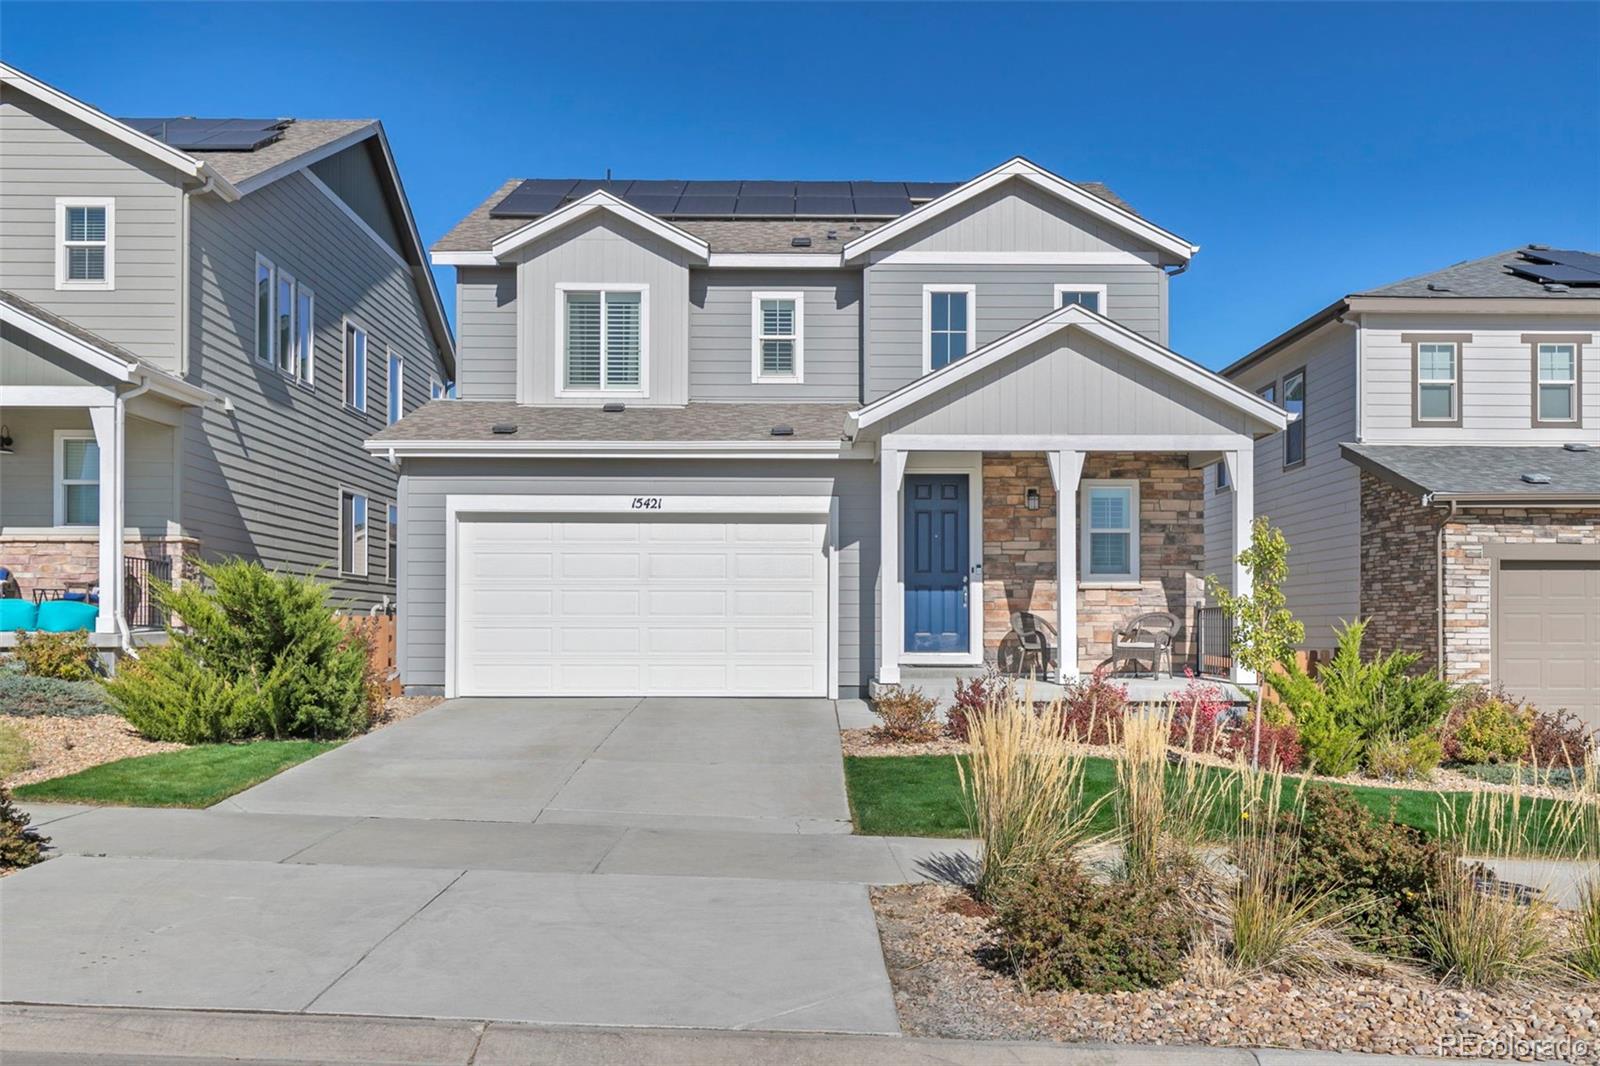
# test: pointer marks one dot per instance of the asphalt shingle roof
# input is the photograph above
(473, 420)
(1447, 470)
(1483, 278)
(300, 136)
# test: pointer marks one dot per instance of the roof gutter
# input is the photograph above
(1289, 336)
(394, 450)
(1512, 499)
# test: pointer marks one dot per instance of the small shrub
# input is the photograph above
(1489, 727)
(1475, 936)
(1199, 717)
(973, 696)
(1558, 740)
(1380, 873)
(1393, 759)
(1507, 774)
(62, 656)
(1280, 743)
(1586, 932)
(907, 715)
(1061, 930)
(27, 696)
(19, 845)
(1093, 708)
(16, 754)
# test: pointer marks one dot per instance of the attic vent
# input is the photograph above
(1540, 247)
(1576, 446)
(783, 431)
(504, 429)
(614, 408)
(1536, 479)
(1434, 286)
(1555, 286)
(799, 242)
(833, 235)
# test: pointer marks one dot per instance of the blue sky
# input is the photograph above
(1310, 149)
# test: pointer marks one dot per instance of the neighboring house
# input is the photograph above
(787, 438)
(1443, 476)
(200, 323)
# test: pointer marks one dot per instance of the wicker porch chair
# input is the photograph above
(1148, 636)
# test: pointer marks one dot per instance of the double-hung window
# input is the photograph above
(391, 540)
(603, 339)
(286, 334)
(948, 314)
(1110, 522)
(396, 386)
(266, 315)
(352, 534)
(85, 228)
(77, 479)
(355, 366)
(1091, 296)
(1294, 402)
(1438, 381)
(1558, 376)
(305, 333)
(778, 336)
(285, 321)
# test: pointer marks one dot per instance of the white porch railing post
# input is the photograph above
(1066, 468)
(107, 421)
(891, 625)
(1242, 475)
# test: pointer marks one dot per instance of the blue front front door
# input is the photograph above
(937, 562)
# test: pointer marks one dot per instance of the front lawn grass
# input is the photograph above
(920, 795)
(193, 777)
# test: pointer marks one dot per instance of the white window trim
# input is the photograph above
(1454, 381)
(560, 361)
(1085, 491)
(58, 479)
(272, 312)
(927, 320)
(394, 370)
(757, 377)
(1570, 384)
(107, 283)
(364, 561)
(280, 278)
(1064, 286)
(345, 325)
(306, 362)
(391, 543)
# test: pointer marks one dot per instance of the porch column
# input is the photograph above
(1065, 470)
(1242, 475)
(107, 421)
(891, 624)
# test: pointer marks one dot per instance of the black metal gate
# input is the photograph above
(137, 601)
(1213, 641)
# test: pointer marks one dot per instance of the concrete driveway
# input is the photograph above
(594, 862)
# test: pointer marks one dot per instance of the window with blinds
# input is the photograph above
(604, 340)
(1110, 535)
(83, 239)
(778, 318)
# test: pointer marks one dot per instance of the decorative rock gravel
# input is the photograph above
(931, 940)
(64, 745)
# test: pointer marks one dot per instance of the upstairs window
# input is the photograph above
(1110, 530)
(1438, 382)
(77, 479)
(285, 335)
(266, 297)
(1091, 296)
(285, 320)
(1269, 392)
(947, 324)
(441, 390)
(355, 366)
(84, 231)
(304, 361)
(396, 386)
(1556, 396)
(603, 340)
(391, 539)
(777, 326)
(352, 534)
(1294, 402)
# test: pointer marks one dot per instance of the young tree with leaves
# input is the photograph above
(1264, 630)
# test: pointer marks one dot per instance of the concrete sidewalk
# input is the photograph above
(55, 1036)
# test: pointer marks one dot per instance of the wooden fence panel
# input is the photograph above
(379, 631)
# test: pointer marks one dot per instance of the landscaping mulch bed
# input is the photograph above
(933, 937)
(65, 745)
(863, 742)
(399, 708)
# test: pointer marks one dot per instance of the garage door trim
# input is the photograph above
(459, 506)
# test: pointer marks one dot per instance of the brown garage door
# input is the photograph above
(1547, 634)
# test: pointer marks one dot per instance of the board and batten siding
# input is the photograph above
(721, 335)
(45, 155)
(263, 483)
(486, 333)
(1317, 504)
(597, 251)
(1496, 372)
(425, 483)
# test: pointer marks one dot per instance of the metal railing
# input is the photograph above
(138, 603)
(1213, 629)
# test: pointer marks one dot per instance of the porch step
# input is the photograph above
(940, 683)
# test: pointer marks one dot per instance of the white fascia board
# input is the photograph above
(599, 200)
(1053, 184)
(1475, 305)
(464, 259)
(643, 449)
(98, 358)
(1118, 336)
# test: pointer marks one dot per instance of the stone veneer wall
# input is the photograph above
(1468, 570)
(51, 560)
(1019, 549)
(1399, 571)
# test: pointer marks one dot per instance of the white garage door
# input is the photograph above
(1547, 635)
(702, 605)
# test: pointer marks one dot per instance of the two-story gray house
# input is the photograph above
(1442, 478)
(200, 323)
(795, 438)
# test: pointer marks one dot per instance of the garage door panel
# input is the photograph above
(1547, 634)
(642, 605)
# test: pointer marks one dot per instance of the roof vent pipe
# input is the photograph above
(614, 408)
(1536, 479)
(783, 431)
(504, 429)
(1575, 446)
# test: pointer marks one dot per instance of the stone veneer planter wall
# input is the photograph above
(51, 559)
(1019, 549)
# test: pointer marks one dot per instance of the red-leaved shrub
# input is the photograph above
(1280, 744)
(1558, 740)
(1093, 707)
(1199, 716)
(972, 696)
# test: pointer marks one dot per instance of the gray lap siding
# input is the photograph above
(425, 483)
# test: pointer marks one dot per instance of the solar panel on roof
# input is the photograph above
(824, 206)
(693, 206)
(877, 188)
(882, 206)
(764, 206)
(656, 205)
(657, 188)
(822, 188)
(534, 197)
(928, 190)
(711, 188)
(212, 134)
(1557, 272)
(766, 188)
(1581, 260)
(670, 198)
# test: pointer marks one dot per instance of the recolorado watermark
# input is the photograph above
(1511, 1046)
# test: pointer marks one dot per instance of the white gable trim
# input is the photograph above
(119, 131)
(1075, 315)
(1052, 184)
(599, 200)
(88, 354)
(305, 159)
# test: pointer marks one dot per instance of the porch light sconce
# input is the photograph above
(5, 440)
(1033, 499)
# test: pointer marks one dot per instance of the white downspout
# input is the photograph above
(183, 273)
(121, 505)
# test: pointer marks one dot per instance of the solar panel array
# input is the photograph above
(212, 134)
(729, 199)
(1559, 267)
